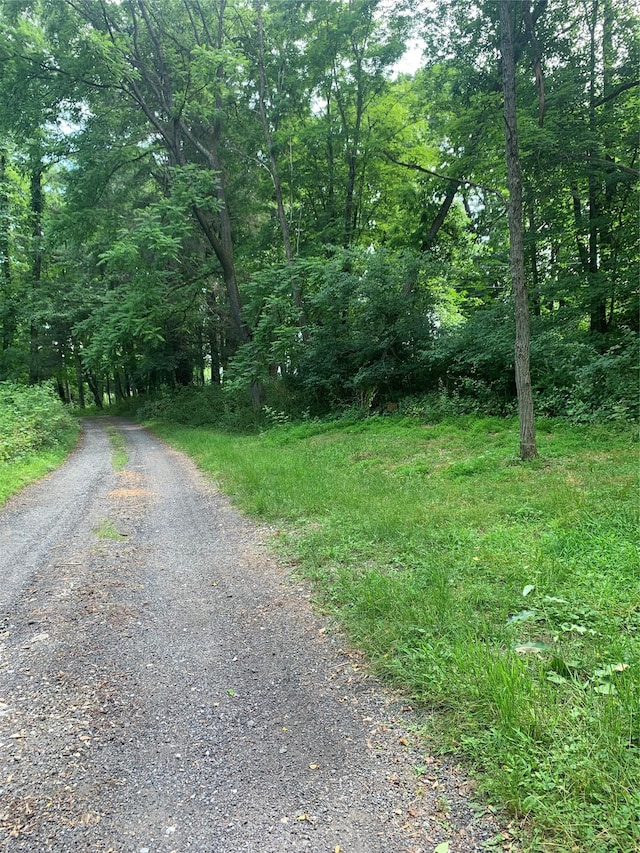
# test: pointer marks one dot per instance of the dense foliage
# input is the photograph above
(31, 419)
(248, 193)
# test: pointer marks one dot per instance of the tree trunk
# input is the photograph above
(528, 448)
(7, 306)
(96, 388)
(598, 309)
(37, 206)
(80, 381)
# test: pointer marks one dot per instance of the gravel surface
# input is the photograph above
(166, 686)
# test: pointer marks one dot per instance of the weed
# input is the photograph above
(106, 530)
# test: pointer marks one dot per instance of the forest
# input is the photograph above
(254, 197)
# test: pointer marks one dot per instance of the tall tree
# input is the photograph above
(171, 60)
(528, 448)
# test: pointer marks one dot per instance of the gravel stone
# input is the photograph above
(165, 686)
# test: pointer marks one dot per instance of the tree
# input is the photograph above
(528, 448)
(182, 181)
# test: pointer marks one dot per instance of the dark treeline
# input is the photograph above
(248, 194)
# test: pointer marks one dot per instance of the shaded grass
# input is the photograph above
(505, 595)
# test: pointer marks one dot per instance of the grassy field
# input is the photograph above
(504, 595)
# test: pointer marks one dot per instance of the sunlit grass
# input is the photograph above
(505, 595)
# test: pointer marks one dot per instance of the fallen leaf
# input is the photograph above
(442, 848)
(313, 766)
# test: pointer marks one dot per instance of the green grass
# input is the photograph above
(504, 595)
(119, 447)
(107, 530)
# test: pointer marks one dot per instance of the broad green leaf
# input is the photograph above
(523, 616)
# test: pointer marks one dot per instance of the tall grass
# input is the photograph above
(504, 595)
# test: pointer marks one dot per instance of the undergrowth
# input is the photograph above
(36, 433)
(502, 594)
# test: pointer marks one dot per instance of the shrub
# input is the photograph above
(32, 418)
(189, 405)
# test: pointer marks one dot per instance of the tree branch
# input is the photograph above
(623, 87)
(459, 181)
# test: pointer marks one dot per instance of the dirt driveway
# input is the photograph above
(165, 685)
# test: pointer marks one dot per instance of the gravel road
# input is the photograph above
(166, 686)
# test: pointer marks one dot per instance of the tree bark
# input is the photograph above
(37, 206)
(598, 310)
(7, 307)
(528, 447)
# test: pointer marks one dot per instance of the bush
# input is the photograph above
(211, 405)
(189, 405)
(587, 386)
(32, 418)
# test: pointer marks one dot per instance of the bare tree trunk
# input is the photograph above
(7, 306)
(37, 206)
(528, 448)
(80, 382)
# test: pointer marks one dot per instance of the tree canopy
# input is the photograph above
(247, 193)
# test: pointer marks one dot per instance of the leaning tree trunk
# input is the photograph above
(528, 448)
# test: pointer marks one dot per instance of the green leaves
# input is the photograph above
(31, 418)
